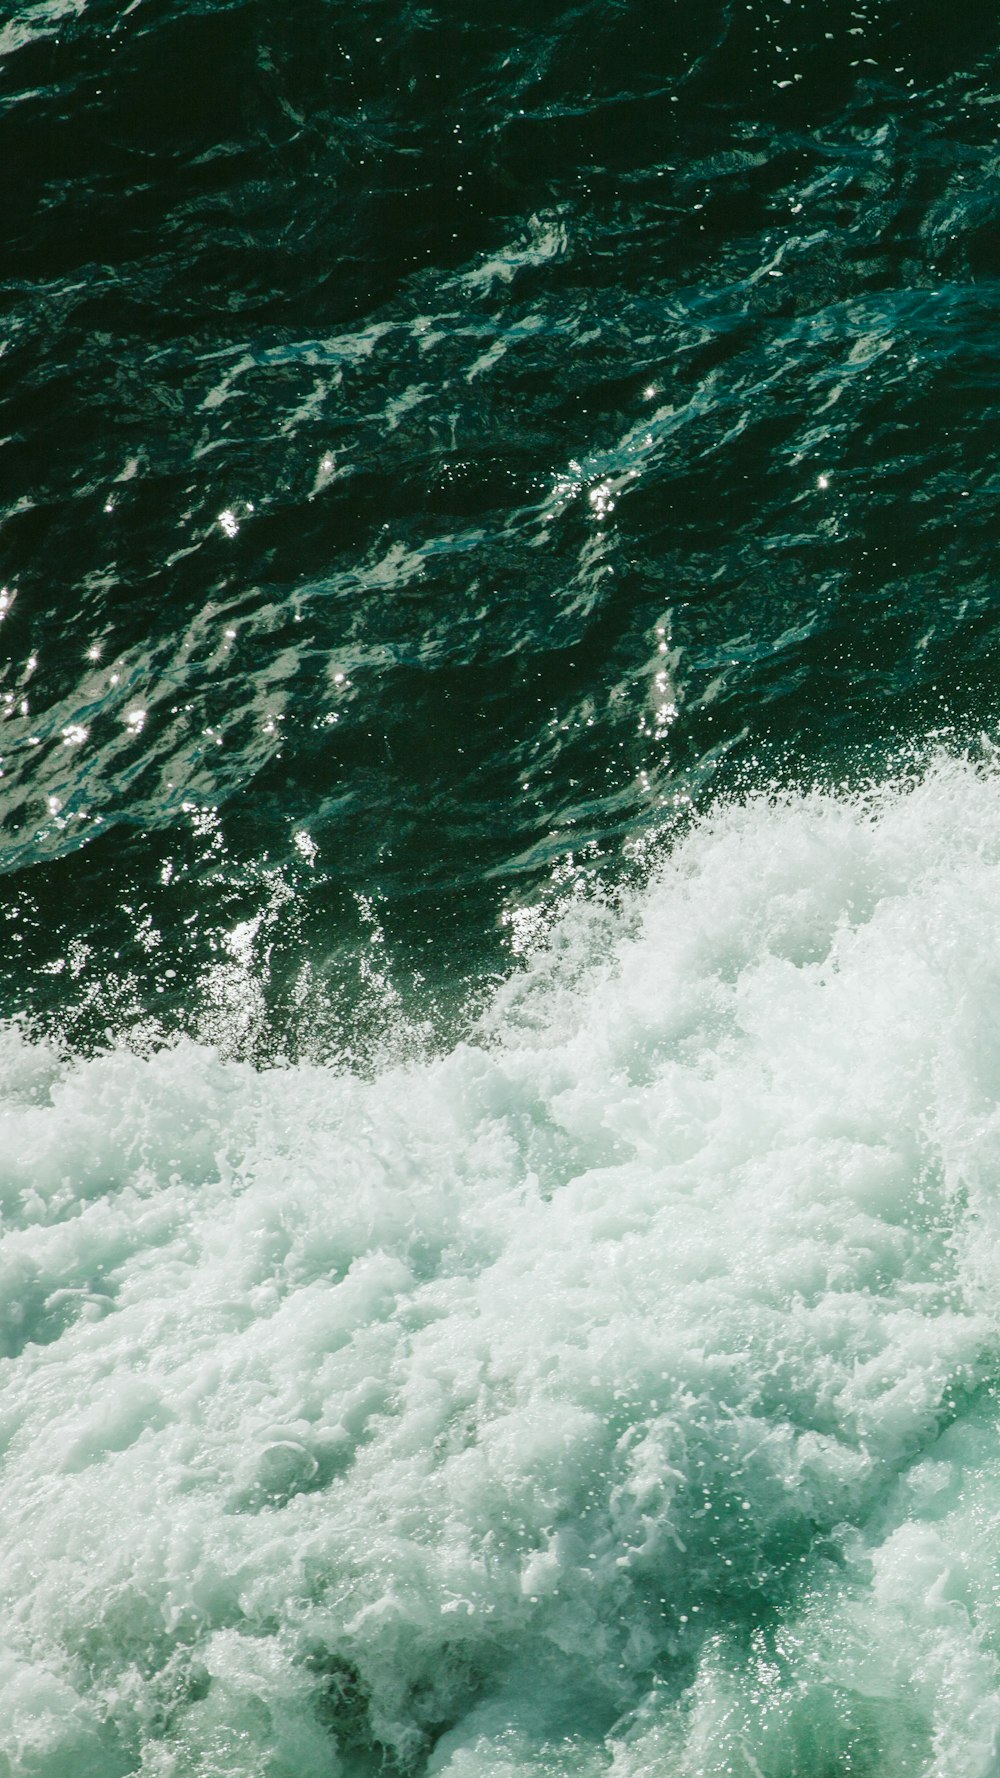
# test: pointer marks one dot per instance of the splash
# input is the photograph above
(615, 1393)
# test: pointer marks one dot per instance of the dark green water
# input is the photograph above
(500, 830)
(461, 440)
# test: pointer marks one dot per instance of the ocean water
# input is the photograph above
(500, 843)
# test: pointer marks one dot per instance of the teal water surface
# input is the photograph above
(498, 816)
(446, 444)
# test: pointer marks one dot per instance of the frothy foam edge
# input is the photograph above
(616, 1392)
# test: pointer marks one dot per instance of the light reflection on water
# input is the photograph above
(337, 514)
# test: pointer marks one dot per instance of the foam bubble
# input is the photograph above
(616, 1392)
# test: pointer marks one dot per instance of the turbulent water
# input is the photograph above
(500, 831)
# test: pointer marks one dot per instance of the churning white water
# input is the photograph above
(617, 1393)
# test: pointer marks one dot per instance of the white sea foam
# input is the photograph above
(616, 1393)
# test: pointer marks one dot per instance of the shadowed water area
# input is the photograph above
(435, 446)
(499, 1059)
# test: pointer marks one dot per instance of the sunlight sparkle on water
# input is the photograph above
(601, 500)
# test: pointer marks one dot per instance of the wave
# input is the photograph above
(615, 1392)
